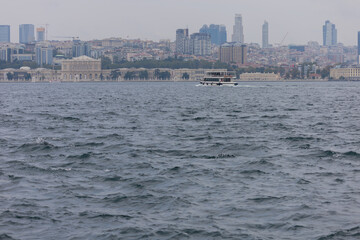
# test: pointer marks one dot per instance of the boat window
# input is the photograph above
(211, 79)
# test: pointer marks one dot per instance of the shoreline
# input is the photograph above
(239, 81)
(193, 81)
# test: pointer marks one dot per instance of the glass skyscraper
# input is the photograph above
(80, 48)
(200, 44)
(265, 35)
(217, 32)
(329, 34)
(43, 55)
(26, 33)
(182, 41)
(40, 34)
(4, 33)
(238, 33)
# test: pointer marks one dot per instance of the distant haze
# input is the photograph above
(158, 19)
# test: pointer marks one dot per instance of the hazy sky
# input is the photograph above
(158, 19)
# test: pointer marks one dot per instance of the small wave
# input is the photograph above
(329, 153)
(352, 154)
(200, 118)
(118, 198)
(266, 199)
(113, 179)
(72, 119)
(40, 144)
(5, 236)
(275, 116)
(111, 113)
(81, 156)
(326, 174)
(60, 169)
(295, 227)
(14, 178)
(252, 171)
(261, 162)
(219, 156)
(352, 233)
(296, 217)
(89, 144)
(111, 136)
(299, 139)
(303, 181)
(89, 214)
(28, 215)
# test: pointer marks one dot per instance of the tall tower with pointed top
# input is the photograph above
(238, 31)
(265, 35)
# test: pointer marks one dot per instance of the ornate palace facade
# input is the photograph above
(81, 69)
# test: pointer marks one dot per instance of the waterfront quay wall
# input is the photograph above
(70, 74)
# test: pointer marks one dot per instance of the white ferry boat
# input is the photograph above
(219, 78)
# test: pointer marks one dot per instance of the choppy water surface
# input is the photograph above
(176, 161)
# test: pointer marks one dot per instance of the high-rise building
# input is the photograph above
(43, 54)
(4, 33)
(265, 35)
(80, 48)
(200, 44)
(182, 41)
(358, 48)
(40, 34)
(329, 34)
(26, 33)
(217, 32)
(5, 54)
(11, 52)
(233, 53)
(238, 31)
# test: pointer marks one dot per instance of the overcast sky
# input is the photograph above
(159, 19)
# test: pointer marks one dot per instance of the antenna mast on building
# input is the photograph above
(46, 31)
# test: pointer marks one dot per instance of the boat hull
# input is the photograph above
(231, 84)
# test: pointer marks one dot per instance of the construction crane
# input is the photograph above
(73, 38)
(282, 41)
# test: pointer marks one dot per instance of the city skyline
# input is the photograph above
(301, 20)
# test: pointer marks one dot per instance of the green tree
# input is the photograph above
(10, 76)
(27, 76)
(295, 73)
(129, 75)
(106, 63)
(143, 74)
(325, 72)
(115, 74)
(185, 76)
(165, 75)
(157, 73)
